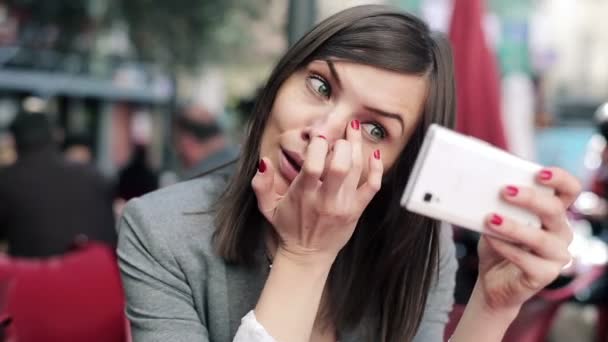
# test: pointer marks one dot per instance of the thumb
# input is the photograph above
(263, 187)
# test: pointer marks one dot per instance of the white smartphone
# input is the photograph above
(458, 179)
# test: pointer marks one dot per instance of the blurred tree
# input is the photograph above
(180, 33)
(301, 18)
(57, 24)
(175, 33)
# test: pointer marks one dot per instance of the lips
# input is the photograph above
(294, 159)
(290, 164)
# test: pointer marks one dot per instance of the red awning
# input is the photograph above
(477, 76)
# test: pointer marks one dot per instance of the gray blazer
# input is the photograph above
(178, 290)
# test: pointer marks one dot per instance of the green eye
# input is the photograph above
(320, 86)
(376, 131)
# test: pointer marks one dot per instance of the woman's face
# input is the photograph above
(325, 96)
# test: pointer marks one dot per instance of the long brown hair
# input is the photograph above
(385, 271)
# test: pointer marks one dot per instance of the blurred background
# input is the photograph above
(149, 93)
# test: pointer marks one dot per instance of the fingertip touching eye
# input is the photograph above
(374, 130)
(321, 87)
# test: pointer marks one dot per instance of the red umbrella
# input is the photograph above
(477, 79)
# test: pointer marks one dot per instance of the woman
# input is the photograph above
(307, 241)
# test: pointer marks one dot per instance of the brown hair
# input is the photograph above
(385, 271)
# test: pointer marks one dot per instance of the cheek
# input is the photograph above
(267, 139)
(292, 108)
(271, 138)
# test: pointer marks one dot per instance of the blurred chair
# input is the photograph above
(602, 324)
(75, 297)
(537, 315)
(5, 319)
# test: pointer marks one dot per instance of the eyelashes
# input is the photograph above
(319, 85)
(375, 130)
(322, 88)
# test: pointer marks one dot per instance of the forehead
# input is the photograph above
(384, 89)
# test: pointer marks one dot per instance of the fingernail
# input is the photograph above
(546, 174)
(496, 220)
(322, 137)
(262, 166)
(355, 124)
(512, 190)
(377, 154)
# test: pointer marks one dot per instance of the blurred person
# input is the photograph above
(601, 124)
(8, 155)
(137, 177)
(200, 143)
(245, 105)
(78, 149)
(47, 202)
(307, 240)
(594, 209)
(597, 150)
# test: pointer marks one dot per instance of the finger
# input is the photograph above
(543, 243)
(538, 271)
(314, 163)
(263, 187)
(339, 167)
(567, 186)
(548, 207)
(353, 136)
(368, 190)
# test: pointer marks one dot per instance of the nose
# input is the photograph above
(331, 125)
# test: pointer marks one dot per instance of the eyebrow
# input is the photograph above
(334, 74)
(388, 115)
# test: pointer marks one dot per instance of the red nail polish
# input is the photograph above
(355, 124)
(377, 154)
(322, 136)
(512, 190)
(496, 220)
(546, 175)
(262, 166)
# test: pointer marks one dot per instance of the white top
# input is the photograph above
(251, 330)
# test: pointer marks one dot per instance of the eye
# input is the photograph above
(375, 130)
(319, 85)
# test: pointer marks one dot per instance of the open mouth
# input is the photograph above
(296, 166)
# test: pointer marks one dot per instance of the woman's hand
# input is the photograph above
(511, 273)
(318, 213)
